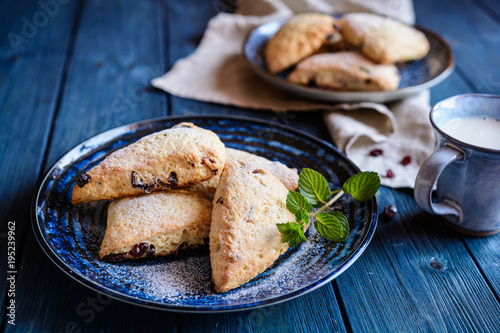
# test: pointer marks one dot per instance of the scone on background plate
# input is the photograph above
(382, 39)
(298, 38)
(244, 239)
(345, 71)
(155, 224)
(288, 176)
(180, 156)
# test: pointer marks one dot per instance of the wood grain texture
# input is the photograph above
(32, 59)
(416, 276)
(315, 312)
(474, 39)
(117, 53)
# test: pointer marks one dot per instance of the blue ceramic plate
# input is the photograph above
(415, 75)
(71, 235)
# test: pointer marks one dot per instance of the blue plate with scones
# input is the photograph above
(71, 235)
(415, 76)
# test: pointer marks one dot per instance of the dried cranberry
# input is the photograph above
(140, 184)
(172, 179)
(312, 82)
(166, 186)
(215, 172)
(390, 211)
(151, 251)
(376, 152)
(258, 171)
(114, 257)
(83, 179)
(204, 159)
(220, 201)
(390, 174)
(138, 250)
(170, 183)
(135, 180)
(149, 187)
(406, 160)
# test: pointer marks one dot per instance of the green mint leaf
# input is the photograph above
(314, 187)
(295, 201)
(292, 232)
(362, 186)
(301, 216)
(333, 226)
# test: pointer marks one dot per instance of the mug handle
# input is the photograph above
(427, 178)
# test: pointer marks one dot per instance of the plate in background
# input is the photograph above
(71, 235)
(415, 75)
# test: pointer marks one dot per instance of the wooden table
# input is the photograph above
(73, 69)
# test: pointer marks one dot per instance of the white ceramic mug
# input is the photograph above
(465, 165)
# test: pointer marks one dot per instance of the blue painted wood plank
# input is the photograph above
(33, 47)
(476, 42)
(486, 252)
(491, 8)
(314, 312)
(473, 35)
(117, 50)
(416, 276)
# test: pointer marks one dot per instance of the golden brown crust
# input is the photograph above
(346, 71)
(383, 39)
(288, 176)
(155, 224)
(244, 239)
(180, 156)
(298, 38)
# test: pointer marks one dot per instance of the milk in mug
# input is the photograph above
(477, 131)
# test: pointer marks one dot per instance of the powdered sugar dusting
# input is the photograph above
(187, 279)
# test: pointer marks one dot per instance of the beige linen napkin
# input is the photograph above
(216, 72)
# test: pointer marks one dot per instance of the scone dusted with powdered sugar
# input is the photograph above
(288, 176)
(244, 239)
(155, 224)
(300, 37)
(382, 39)
(345, 71)
(180, 156)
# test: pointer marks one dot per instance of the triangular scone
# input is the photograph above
(300, 37)
(288, 176)
(244, 239)
(155, 224)
(383, 39)
(345, 71)
(180, 156)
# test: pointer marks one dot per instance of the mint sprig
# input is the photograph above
(314, 187)
(314, 191)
